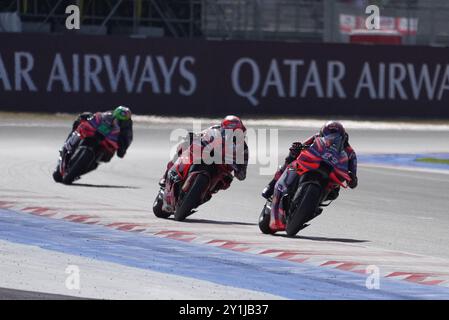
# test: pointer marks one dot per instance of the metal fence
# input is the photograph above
(418, 21)
(274, 20)
(174, 18)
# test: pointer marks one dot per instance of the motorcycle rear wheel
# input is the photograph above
(79, 163)
(192, 198)
(304, 211)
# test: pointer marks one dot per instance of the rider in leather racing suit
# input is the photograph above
(283, 179)
(228, 125)
(120, 119)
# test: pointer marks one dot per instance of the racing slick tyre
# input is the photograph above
(57, 175)
(157, 207)
(264, 220)
(309, 201)
(79, 164)
(192, 198)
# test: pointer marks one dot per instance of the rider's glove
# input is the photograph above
(296, 147)
(227, 180)
(121, 153)
(239, 172)
(354, 181)
(295, 150)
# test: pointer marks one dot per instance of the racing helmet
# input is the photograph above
(332, 127)
(122, 113)
(232, 123)
(334, 134)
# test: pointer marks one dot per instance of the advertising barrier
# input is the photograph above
(72, 73)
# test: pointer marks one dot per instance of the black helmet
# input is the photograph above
(331, 127)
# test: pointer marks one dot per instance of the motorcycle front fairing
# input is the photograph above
(106, 134)
(68, 149)
(324, 163)
(176, 177)
(330, 158)
(183, 173)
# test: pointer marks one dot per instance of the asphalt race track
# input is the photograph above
(394, 215)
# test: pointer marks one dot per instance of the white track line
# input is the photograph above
(280, 123)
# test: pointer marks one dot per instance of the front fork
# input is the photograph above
(165, 205)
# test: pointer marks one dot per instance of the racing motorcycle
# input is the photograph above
(188, 185)
(320, 167)
(84, 149)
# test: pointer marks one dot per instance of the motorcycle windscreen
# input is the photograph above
(334, 142)
(335, 155)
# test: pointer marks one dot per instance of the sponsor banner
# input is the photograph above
(404, 26)
(57, 73)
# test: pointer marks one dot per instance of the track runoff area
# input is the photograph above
(98, 238)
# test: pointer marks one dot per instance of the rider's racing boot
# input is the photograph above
(333, 194)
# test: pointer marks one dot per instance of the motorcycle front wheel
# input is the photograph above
(310, 199)
(192, 198)
(157, 207)
(264, 220)
(57, 175)
(79, 163)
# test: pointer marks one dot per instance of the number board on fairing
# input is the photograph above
(104, 129)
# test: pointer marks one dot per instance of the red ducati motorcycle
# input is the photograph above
(320, 168)
(84, 149)
(188, 185)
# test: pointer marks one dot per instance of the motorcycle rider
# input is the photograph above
(119, 118)
(228, 125)
(282, 180)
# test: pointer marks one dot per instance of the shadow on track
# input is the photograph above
(323, 239)
(219, 222)
(88, 185)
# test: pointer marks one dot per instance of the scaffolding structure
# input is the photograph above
(173, 18)
(426, 21)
